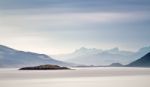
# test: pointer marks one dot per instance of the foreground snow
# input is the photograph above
(80, 77)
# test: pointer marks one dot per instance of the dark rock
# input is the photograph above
(44, 67)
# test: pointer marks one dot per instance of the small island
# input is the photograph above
(45, 67)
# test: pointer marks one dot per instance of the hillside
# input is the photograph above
(14, 58)
(142, 62)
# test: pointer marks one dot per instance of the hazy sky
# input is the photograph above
(61, 26)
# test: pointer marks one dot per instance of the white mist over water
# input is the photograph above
(80, 77)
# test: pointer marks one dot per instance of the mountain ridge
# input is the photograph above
(93, 56)
(10, 57)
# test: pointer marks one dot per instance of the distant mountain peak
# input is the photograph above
(84, 50)
(114, 49)
(145, 49)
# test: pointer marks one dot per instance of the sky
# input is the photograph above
(61, 26)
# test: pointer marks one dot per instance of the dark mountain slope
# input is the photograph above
(142, 62)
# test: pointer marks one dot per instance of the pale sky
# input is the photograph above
(61, 26)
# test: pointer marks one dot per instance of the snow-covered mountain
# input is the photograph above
(78, 52)
(13, 58)
(95, 56)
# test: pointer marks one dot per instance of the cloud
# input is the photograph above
(64, 25)
(68, 18)
(78, 5)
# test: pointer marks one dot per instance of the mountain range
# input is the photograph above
(14, 58)
(93, 56)
(84, 56)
